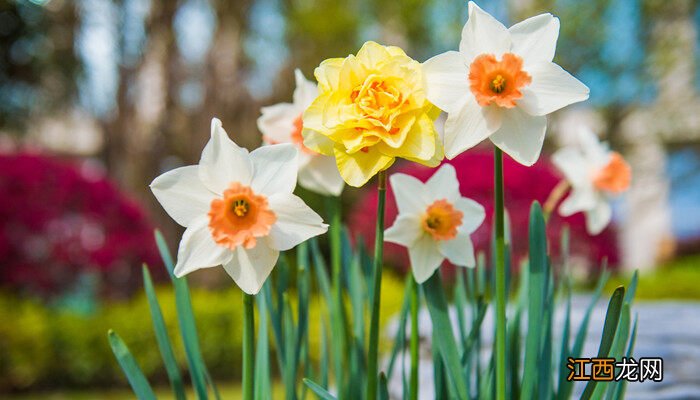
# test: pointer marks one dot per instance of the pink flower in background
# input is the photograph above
(60, 220)
(523, 185)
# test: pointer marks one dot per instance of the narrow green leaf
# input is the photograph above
(320, 270)
(622, 388)
(612, 319)
(290, 367)
(617, 351)
(320, 392)
(162, 338)
(139, 383)
(397, 348)
(263, 382)
(445, 341)
(537, 280)
(632, 288)
(188, 329)
(383, 390)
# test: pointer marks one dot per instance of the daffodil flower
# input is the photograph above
(595, 174)
(282, 123)
(371, 109)
(501, 84)
(238, 209)
(434, 221)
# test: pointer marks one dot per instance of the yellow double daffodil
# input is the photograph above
(372, 108)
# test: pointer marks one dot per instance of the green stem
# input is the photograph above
(248, 345)
(415, 341)
(500, 279)
(372, 368)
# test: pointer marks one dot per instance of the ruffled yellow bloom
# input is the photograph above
(371, 109)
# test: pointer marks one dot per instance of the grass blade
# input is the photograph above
(166, 348)
(537, 280)
(320, 392)
(445, 341)
(612, 319)
(139, 383)
(263, 383)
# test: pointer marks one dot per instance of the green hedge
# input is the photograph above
(45, 347)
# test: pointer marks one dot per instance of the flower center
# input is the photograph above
(615, 176)
(297, 137)
(240, 217)
(441, 220)
(377, 99)
(499, 82)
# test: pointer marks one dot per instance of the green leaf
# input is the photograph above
(320, 392)
(263, 383)
(445, 341)
(139, 383)
(612, 319)
(537, 280)
(166, 348)
(188, 329)
(397, 348)
(617, 351)
(383, 390)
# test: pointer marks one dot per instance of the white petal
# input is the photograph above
(573, 165)
(535, 39)
(447, 80)
(443, 184)
(596, 153)
(182, 194)
(552, 88)
(425, 258)
(274, 169)
(405, 230)
(470, 125)
(483, 34)
(249, 268)
(321, 175)
(409, 193)
(598, 217)
(295, 223)
(521, 136)
(305, 92)
(198, 250)
(460, 250)
(580, 199)
(223, 162)
(277, 122)
(473, 214)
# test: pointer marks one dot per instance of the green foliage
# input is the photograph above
(676, 280)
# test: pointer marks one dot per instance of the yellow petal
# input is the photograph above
(317, 142)
(372, 54)
(357, 168)
(420, 142)
(327, 74)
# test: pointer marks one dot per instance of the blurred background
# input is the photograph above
(98, 97)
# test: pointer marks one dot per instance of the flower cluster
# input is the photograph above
(366, 111)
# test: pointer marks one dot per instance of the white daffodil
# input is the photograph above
(595, 174)
(282, 123)
(238, 209)
(434, 221)
(501, 84)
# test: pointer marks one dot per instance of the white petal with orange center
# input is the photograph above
(197, 249)
(443, 184)
(277, 122)
(249, 268)
(182, 194)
